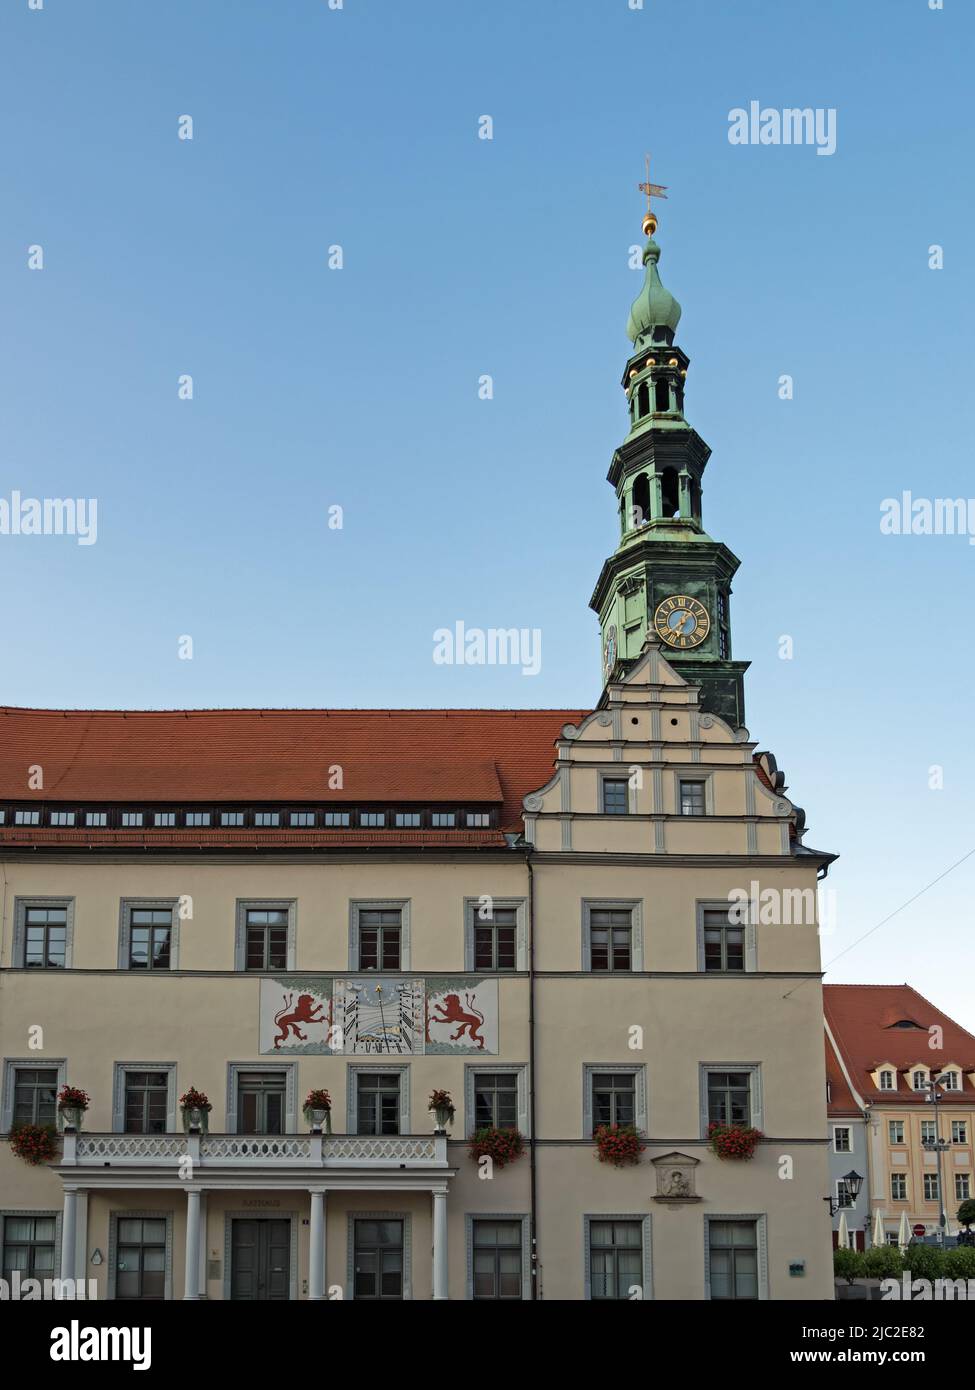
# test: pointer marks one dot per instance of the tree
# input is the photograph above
(966, 1213)
(960, 1263)
(883, 1262)
(925, 1261)
(848, 1264)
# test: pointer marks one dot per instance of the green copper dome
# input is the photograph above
(654, 306)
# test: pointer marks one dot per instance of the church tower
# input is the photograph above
(667, 576)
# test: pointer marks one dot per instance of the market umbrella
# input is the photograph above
(843, 1234)
(904, 1233)
(879, 1230)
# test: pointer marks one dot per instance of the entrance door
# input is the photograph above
(378, 1259)
(260, 1259)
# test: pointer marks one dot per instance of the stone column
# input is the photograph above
(440, 1243)
(191, 1289)
(316, 1254)
(69, 1227)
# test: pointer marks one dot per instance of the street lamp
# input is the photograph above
(939, 1146)
(849, 1187)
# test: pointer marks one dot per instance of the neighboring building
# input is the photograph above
(530, 909)
(847, 1154)
(889, 1043)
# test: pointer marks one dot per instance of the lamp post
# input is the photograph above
(849, 1186)
(938, 1146)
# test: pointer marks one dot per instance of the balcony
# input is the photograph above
(279, 1153)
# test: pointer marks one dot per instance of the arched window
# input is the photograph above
(640, 510)
(643, 401)
(671, 492)
(695, 499)
(661, 394)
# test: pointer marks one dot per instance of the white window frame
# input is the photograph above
(919, 1072)
(21, 906)
(960, 1180)
(932, 1128)
(290, 1072)
(289, 905)
(693, 775)
(929, 1180)
(635, 907)
(126, 906)
(359, 905)
(902, 1176)
(755, 1103)
(881, 1075)
(11, 1065)
(472, 918)
(848, 1130)
(890, 1131)
(118, 1092)
(402, 1070)
(471, 1072)
(962, 1127)
(843, 1191)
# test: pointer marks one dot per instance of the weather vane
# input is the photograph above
(652, 190)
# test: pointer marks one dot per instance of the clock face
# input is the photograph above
(681, 621)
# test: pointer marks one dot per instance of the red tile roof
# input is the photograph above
(841, 1101)
(862, 1018)
(473, 757)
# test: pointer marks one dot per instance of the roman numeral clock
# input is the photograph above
(681, 621)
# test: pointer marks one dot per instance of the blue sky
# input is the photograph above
(358, 387)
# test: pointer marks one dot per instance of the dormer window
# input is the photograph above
(131, 820)
(919, 1080)
(950, 1080)
(886, 1079)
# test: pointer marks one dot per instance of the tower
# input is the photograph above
(667, 577)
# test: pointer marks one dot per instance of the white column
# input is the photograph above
(69, 1226)
(316, 1257)
(81, 1237)
(440, 1243)
(192, 1279)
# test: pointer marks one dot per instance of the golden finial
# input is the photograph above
(652, 190)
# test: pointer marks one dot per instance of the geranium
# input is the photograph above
(618, 1144)
(500, 1145)
(440, 1100)
(318, 1100)
(195, 1100)
(34, 1143)
(72, 1097)
(733, 1141)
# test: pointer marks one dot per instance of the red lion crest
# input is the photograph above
(305, 1011)
(451, 1011)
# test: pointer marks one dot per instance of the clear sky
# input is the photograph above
(463, 257)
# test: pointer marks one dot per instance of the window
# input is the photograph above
(615, 1258)
(96, 818)
(959, 1131)
(150, 938)
(496, 940)
(724, 941)
(661, 395)
(963, 1187)
(267, 818)
(35, 1095)
(930, 1187)
(377, 1102)
(841, 1140)
(919, 1080)
(898, 1187)
(950, 1081)
(616, 796)
(161, 819)
(407, 820)
(337, 818)
(261, 1102)
(497, 1259)
(62, 817)
(146, 1102)
(140, 1258)
(302, 820)
(886, 1080)
(610, 938)
(379, 1259)
(729, 1097)
(380, 938)
(45, 936)
(724, 627)
(895, 1131)
(478, 820)
(929, 1131)
(231, 818)
(495, 1100)
(443, 820)
(613, 1098)
(29, 1246)
(27, 818)
(196, 819)
(266, 938)
(843, 1198)
(733, 1259)
(372, 820)
(692, 797)
(131, 819)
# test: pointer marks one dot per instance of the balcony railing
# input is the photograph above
(250, 1150)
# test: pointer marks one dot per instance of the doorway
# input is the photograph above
(260, 1259)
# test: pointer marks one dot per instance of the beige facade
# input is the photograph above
(664, 1021)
